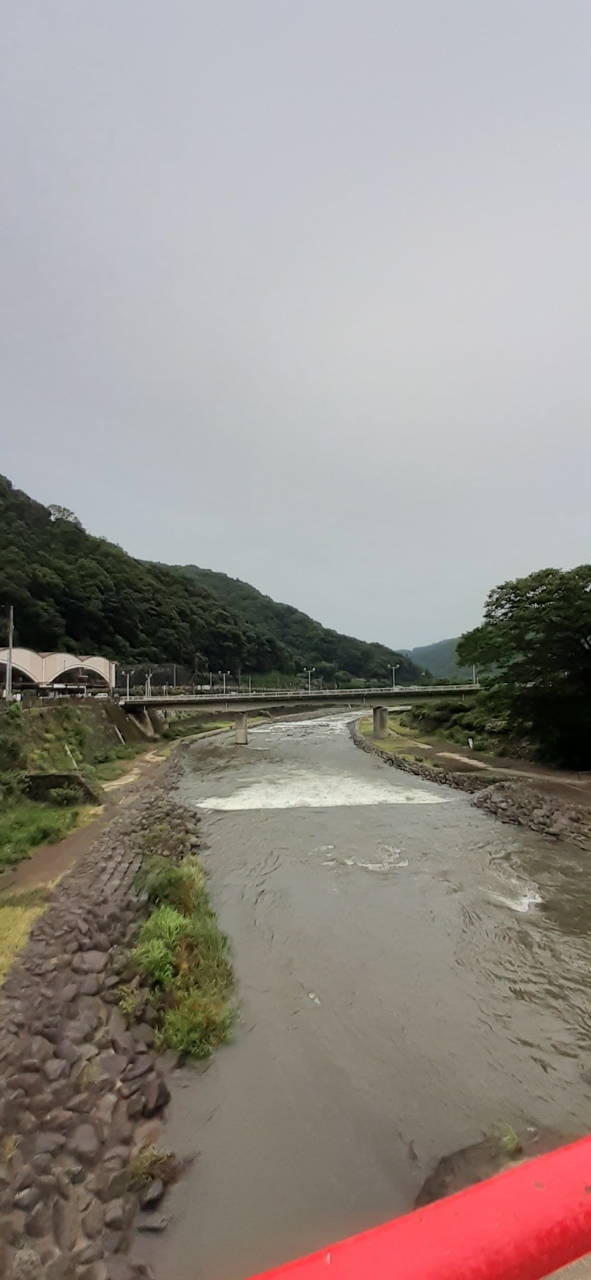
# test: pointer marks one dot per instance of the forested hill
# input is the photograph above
(309, 643)
(83, 594)
(80, 593)
(440, 659)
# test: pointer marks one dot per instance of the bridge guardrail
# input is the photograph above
(350, 695)
(523, 1224)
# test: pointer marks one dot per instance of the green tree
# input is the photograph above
(535, 641)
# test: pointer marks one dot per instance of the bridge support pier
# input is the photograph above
(380, 723)
(144, 723)
(241, 728)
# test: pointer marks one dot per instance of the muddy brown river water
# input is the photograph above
(411, 974)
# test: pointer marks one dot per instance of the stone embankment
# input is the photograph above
(515, 802)
(81, 1091)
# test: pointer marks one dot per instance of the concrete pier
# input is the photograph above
(241, 727)
(380, 723)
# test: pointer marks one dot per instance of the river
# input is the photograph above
(411, 974)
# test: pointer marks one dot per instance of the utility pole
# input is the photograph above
(9, 663)
(127, 677)
(250, 685)
(174, 676)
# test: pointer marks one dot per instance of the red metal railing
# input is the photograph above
(521, 1225)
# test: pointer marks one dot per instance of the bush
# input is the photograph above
(63, 796)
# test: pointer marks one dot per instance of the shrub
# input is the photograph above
(62, 796)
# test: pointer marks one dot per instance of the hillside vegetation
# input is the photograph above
(83, 594)
(80, 593)
(307, 642)
(441, 660)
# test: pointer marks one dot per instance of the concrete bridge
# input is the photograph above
(237, 706)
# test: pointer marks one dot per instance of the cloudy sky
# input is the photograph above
(300, 290)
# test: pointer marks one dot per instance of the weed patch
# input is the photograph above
(183, 956)
(149, 1164)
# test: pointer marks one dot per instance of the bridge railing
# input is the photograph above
(523, 1224)
(351, 695)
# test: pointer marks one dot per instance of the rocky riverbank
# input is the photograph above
(516, 801)
(81, 1087)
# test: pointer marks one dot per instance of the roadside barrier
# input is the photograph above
(522, 1224)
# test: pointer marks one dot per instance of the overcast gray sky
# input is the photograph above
(300, 290)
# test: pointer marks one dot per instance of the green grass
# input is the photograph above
(187, 726)
(113, 761)
(25, 824)
(183, 955)
(17, 914)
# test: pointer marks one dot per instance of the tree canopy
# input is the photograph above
(80, 593)
(309, 643)
(83, 594)
(535, 641)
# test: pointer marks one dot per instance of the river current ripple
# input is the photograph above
(411, 974)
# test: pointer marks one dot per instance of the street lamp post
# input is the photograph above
(223, 675)
(394, 669)
(8, 690)
(309, 673)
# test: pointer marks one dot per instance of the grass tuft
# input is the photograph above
(8, 1147)
(149, 1164)
(180, 885)
(197, 1024)
(510, 1142)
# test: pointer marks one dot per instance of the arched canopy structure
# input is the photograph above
(46, 670)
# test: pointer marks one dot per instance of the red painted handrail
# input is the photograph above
(520, 1225)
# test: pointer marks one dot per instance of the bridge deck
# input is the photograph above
(258, 700)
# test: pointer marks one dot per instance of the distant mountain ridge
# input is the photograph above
(440, 659)
(305, 641)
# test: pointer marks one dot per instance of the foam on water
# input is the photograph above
(528, 898)
(313, 790)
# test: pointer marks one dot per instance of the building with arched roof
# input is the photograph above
(57, 671)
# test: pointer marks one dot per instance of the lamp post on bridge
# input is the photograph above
(223, 674)
(8, 690)
(309, 673)
(394, 669)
